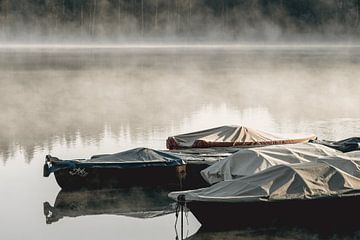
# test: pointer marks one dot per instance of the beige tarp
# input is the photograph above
(355, 154)
(227, 136)
(331, 176)
(248, 161)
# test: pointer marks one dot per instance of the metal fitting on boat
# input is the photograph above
(181, 199)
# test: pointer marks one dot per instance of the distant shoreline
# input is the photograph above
(177, 46)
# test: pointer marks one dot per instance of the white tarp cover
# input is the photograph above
(331, 176)
(355, 154)
(248, 161)
(227, 136)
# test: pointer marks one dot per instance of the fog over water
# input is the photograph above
(75, 102)
(64, 95)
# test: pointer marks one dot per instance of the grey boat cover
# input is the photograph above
(248, 161)
(329, 177)
(204, 155)
(345, 145)
(134, 158)
(228, 136)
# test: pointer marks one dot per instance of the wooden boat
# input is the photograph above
(135, 167)
(130, 202)
(321, 214)
(253, 160)
(177, 168)
(232, 136)
(203, 148)
(320, 195)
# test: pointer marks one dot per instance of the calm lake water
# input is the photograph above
(76, 102)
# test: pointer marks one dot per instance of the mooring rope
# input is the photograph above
(180, 205)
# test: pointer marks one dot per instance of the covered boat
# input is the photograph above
(204, 148)
(139, 166)
(320, 195)
(345, 145)
(249, 161)
(130, 202)
(232, 136)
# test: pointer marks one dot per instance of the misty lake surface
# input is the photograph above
(77, 102)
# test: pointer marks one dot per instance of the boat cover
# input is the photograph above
(252, 160)
(227, 136)
(328, 177)
(134, 158)
(354, 154)
(345, 145)
(204, 155)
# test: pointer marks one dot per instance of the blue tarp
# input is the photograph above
(346, 145)
(134, 158)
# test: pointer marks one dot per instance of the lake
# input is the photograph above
(74, 102)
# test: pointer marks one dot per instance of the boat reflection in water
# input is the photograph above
(131, 202)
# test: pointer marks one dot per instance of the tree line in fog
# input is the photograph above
(181, 19)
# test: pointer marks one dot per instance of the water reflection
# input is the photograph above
(51, 97)
(75, 103)
(132, 202)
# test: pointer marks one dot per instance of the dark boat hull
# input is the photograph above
(97, 178)
(327, 214)
(193, 178)
(172, 178)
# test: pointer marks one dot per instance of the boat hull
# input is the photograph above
(182, 177)
(327, 214)
(97, 178)
(193, 178)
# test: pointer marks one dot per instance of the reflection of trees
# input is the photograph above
(52, 96)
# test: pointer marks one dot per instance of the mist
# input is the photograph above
(86, 77)
(52, 96)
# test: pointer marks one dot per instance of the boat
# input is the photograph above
(232, 136)
(316, 195)
(249, 161)
(130, 202)
(346, 145)
(136, 167)
(203, 148)
(177, 168)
